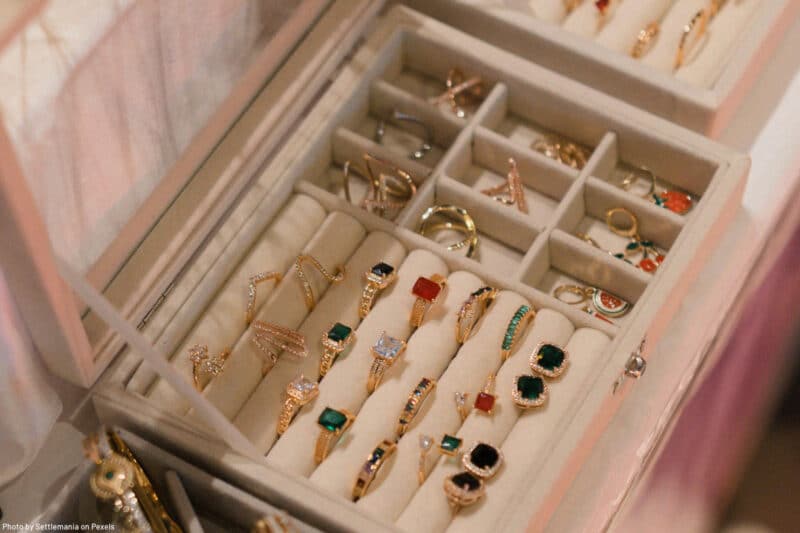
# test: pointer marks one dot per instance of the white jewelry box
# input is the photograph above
(706, 104)
(712, 171)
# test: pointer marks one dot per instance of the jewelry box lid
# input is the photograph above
(108, 123)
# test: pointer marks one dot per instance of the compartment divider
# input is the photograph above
(455, 261)
(508, 226)
(539, 172)
(569, 211)
(348, 145)
(658, 224)
(595, 267)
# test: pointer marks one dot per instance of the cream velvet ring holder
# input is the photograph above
(430, 501)
(222, 321)
(528, 441)
(548, 10)
(401, 484)
(585, 19)
(337, 239)
(429, 351)
(345, 385)
(286, 307)
(623, 27)
(662, 53)
(713, 52)
(258, 418)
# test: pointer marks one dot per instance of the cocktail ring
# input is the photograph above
(333, 423)
(549, 360)
(427, 291)
(379, 277)
(334, 341)
(299, 392)
(385, 352)
(203, 364)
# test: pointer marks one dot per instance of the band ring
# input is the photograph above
(251, 291)
(691, 33)
(455, 218)
(413, 405)
(367, 473)
(645, 39)
(472, 310)
(516, 326)
(308, 291)
(427, 143)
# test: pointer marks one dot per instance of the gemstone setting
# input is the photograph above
(387, 347)
(381, 274)
(549, 360)
(529, 391)
(463, 489)
(302, 389)
(484, 402)
(450, 445)
(427, 289)
(339, 332)
(482, 460)
(333, 420)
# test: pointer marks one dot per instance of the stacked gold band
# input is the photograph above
(308, 291)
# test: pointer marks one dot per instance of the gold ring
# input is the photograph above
(425, 444)
(385, 352)
(277, 522)
(561, 150)
(427, 143)
(367, 473)
(529, 391)
(644, 40)
(485, 399)
(570, 5)
(251, 291)
(333, 423)
(413, 405)
(549, 360)
(379, 277)
(427, 291)
(691, 33)
(516, 326)
(512, 189)
(334, 341)
(482, 460)
(461, 404)
(272, 339)
(460, 92)
(472, 310)
(203, 364)
(308, 291)
(456, 219)
(388, 191)
(575, 290)
(630, 230)
(463, 489)
(299, 392)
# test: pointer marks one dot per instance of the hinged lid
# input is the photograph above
(106, 134)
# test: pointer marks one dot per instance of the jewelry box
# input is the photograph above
(275, 177)
(595, 48)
